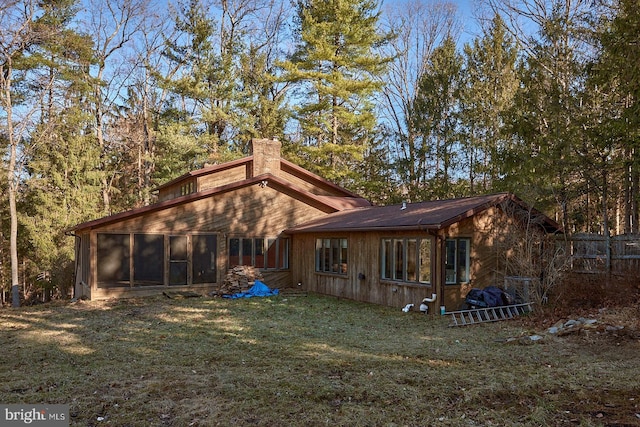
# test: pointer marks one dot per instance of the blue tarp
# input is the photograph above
(258, 289)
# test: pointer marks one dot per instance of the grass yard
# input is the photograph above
(308, 361)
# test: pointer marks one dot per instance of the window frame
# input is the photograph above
(402, 259)
(270, 253)
(332, 255)
(461, 271)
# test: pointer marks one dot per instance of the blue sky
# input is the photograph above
(466, 12)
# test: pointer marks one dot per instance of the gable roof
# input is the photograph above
(431, 215)
(325, 203)
(285, 165)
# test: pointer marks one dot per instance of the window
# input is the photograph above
(398, 258)
(457, 261)
(204, 257)
(253, 252)
(247, 251)
(258, 253)
(138, 259)
(234, 252)
(186, 188)
(406, 260)
(148, 259)
(278, 253)
(387, 259)
(331, 255)
(113, 260)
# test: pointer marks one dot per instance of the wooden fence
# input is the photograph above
(591, 253)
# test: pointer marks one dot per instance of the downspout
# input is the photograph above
(440, 265)
(432, 299)
(424, 307)
(438, 260)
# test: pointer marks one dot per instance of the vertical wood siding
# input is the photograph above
(250, 212)
(484, 230)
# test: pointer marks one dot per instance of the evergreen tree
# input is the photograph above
(615, 81)
(435, 114)
(488, 92)
(33, 56)
(62, 181)
(544, 122)
(335, 69)
(261, 99)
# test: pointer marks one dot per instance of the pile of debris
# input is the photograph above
(238, 279)
(573, 326)
(581, 326)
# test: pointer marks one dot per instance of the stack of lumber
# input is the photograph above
(238, 279)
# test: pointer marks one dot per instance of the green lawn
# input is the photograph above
(306, 361)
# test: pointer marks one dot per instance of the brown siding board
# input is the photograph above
(305, 185)
(248, 211)
(364, 257)
(228, 176)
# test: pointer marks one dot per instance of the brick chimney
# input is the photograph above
(266, 156)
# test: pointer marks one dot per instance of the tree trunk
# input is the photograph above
(13, 245)
(605, 222)
(12, 183)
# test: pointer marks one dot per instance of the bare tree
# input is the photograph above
(113, 24)
(534, 259)
(525, 18)
(18, 34)
(420, 26)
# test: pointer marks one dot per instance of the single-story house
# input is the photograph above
(300, 230)
(400, 254)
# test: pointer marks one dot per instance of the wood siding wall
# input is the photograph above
(297, 178)
(247, 212)
(176, 190)
(483, 230)
(486, 231)
(228, 176)
(363, 261)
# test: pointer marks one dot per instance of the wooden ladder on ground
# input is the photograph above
(487, 314)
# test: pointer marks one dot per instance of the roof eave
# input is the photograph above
(418, 227)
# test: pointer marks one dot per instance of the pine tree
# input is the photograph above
(335, 69)
(435, 114)
(488, 92)
(615, 77)
(33, 38)
(544, 121)
(62, 180)
(261, 99)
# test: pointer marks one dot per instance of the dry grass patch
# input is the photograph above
(305, 361)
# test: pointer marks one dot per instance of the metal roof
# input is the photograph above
(431, 215)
